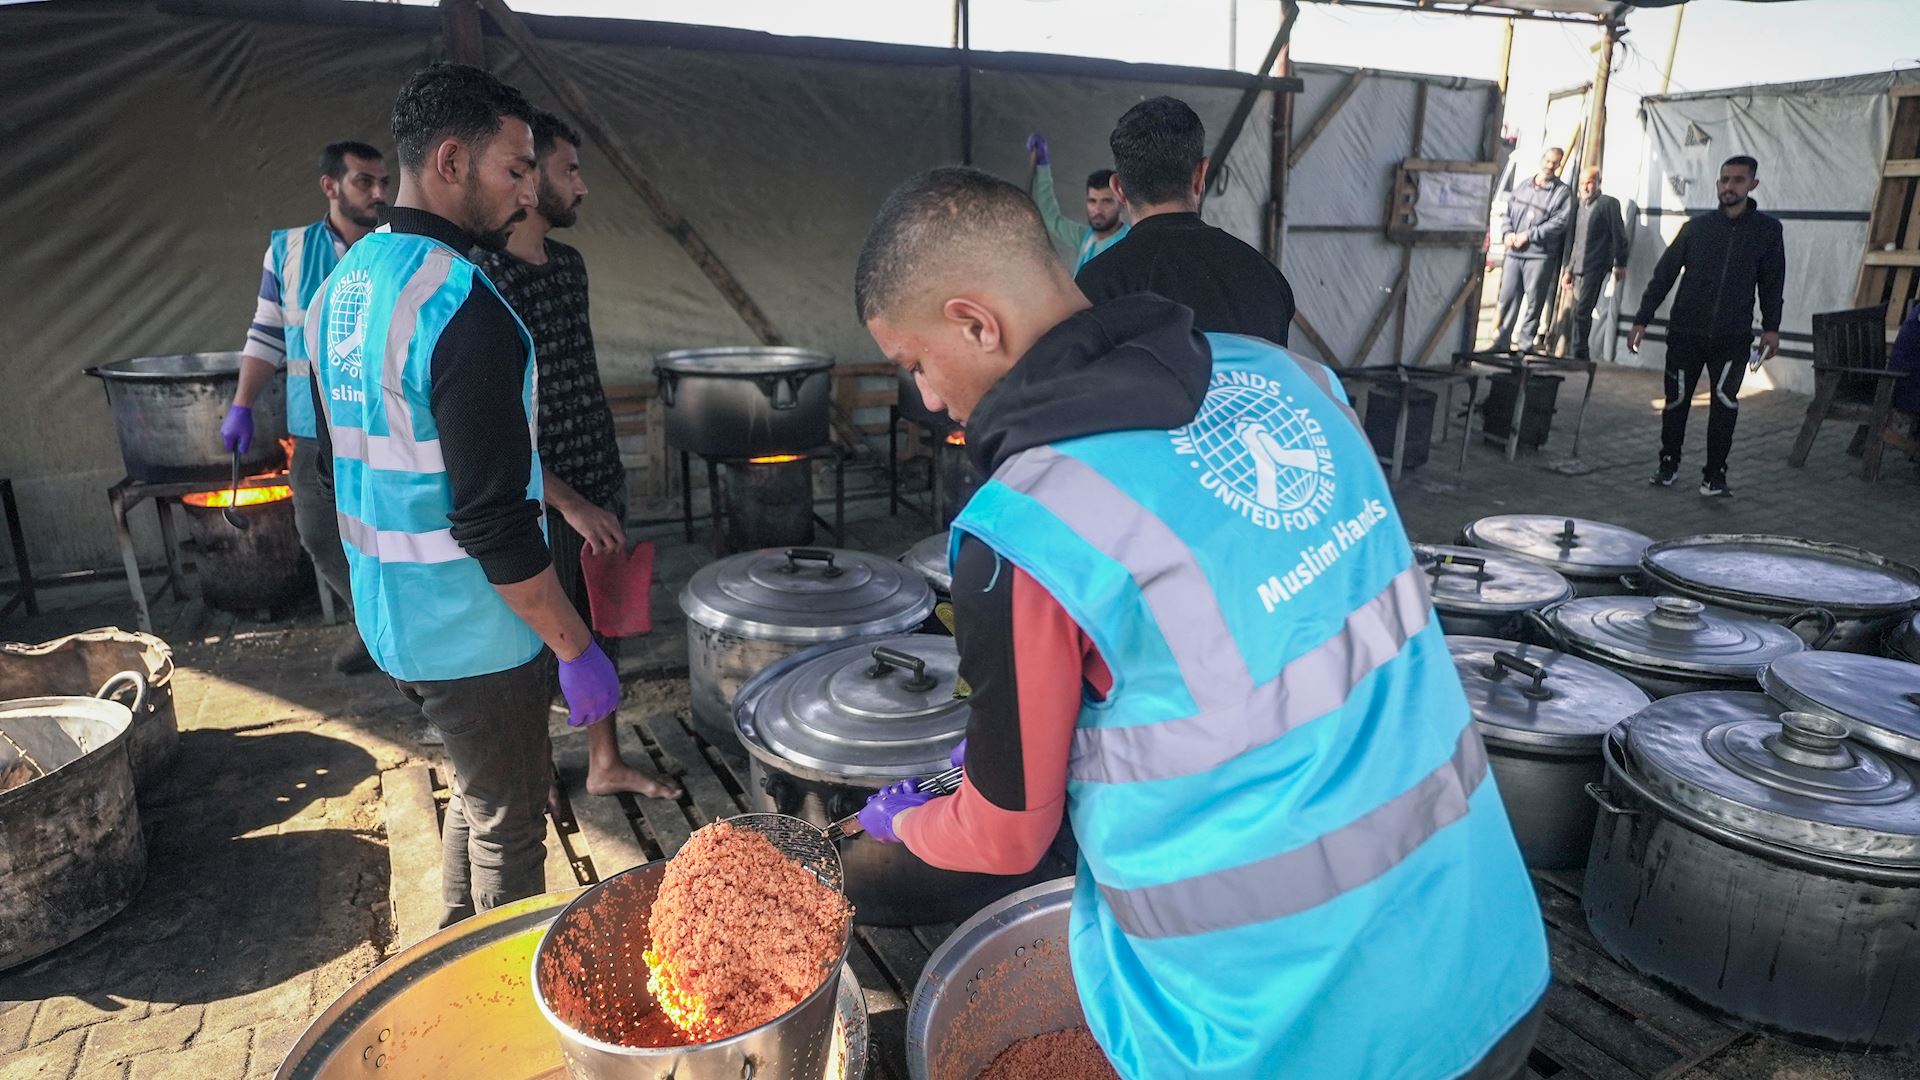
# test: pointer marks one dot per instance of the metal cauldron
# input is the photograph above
(1003, 976)
(1673, 645)
(743, 401)
(71, 852)
(1482, 593)
(259, 568)
(73, 666)
(167, 412)
(1774, 577)
(1594, 555)
(460, 1004)
(600, 936)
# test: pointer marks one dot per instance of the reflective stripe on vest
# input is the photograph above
(303, 259)
(391, 546)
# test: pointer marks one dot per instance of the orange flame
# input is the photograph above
(687, 1011)
(775, 459)
(252, 496)
(958, 438)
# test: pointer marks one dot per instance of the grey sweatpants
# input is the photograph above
(492, 845)
(1524, 285)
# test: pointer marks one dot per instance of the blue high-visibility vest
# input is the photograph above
(1093, 245)
(302, 259)
(1294, 861)
(424, 608)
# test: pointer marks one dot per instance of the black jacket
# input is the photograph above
(1231, 287)
(1727, 261)
(1598, 240)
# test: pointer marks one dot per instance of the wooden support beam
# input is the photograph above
(1290, 10)
(1416, 147)
(1468, 288)
(1326, 351)
(1386, 309)
(460, 29)
(1279, 144)
(1893, 258)
(1901, 167)
(603, 135)
(1326, 116)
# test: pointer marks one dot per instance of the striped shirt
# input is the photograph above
(267, 334)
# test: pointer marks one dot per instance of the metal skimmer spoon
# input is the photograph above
(231, 511)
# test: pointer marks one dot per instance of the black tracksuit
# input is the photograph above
(1727, 262)
(1231, 288)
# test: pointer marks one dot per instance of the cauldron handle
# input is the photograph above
(1604, 796)
(1547, 630)
(1826, 617)
(116, 684)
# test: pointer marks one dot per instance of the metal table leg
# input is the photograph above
(1580, 421)
(176, 578)
(1466, 425)
(713, 504)
(686, 496)
(116, 502)
(893, 461)
(1519, 413)
(840, 497)
(17, 537)
(1400, 430)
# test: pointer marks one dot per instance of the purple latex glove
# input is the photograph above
(591, 687)
(886, 804)
(1037, 146)
(236, 431)
(959, 755)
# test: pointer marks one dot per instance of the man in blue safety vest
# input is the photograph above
(1192, 622)
(425, 380)
(353, 177)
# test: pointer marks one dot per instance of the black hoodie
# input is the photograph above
(1727, 260)
(1130, 364)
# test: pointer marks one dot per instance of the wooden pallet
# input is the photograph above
(1890, 266)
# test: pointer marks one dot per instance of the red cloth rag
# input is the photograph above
(618, 589)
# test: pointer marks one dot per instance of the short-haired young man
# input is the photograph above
(1160, 161)
(1106, 220)
(1723, 259)
(353, 177)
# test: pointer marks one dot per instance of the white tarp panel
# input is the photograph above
(1820, 146)
(150, 154)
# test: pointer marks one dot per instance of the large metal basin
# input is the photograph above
(167, 412)
(73, 666)
(743, 401)
(460, 1004)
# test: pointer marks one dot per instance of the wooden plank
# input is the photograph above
(1326, 116)
(1418, 164)
(1578, 1056)
(611, 842)
(1467, 289)
(899, 952)
(1893, 258)
(1237, 120)
(710, 798)
(662, 479)
(1666, 1016)
(561, 847)
(460, 28)
(1901, 167)
(1602, 1026)
(1326, 351)
(413, 851)
(886, 1012)
(1386, 308)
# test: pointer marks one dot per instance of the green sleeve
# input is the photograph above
(1064, 231)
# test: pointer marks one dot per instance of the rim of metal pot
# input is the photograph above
(1879, 701)
(1903, 639)
(1579, 570)
(643, 1052)
(1613, 749)
(1716, 718)
(158, 679)
(928, 558)
(1638, 659)
(926, 989)
(700, 611)
(774, 360)
(398, 973)
(1450, 564)
(121, 716)
(118, 371)
(1530, 672)
(1774, 602)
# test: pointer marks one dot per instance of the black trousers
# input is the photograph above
(1586, 295)
(1723, 359)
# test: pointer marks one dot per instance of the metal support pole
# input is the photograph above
(1673, 49)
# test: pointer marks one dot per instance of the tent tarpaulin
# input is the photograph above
(154, 147)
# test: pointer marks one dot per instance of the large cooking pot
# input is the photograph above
(74, 665)
(589, 983)
(928, 558)
(827, 728)
(740, 401)
(259, 568)
(167, 412)
(1003, 976)
(71, 852)
(748, 610)
(1593, 555)
(1483, 593)
(1775, 577)
(1878, 699)
(460, 1004)
(1764, 864)
(1673, 645)
(1543, 715)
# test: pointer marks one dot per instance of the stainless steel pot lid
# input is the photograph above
(743, 360)
(928, 558)
(1481, 581)
(1878, 698)
(878, 709)
(1791, 778)
(806, 594)
(1785, 570)
(1575, 547)
(1672, 634)
(1527, 696)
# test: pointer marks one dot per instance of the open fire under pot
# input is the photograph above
(71, 852)
(1764, 863)
(746, 611)
(590, 982)
(77, 664)
(828, 727)
(261, 568)
(765, 502)
(955, 476)
(1598, 558)
(167, 412)
(460, 1003)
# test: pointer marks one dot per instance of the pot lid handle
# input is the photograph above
(1569, 537)
(1678, 613)
(1828, 624)
(796, 556)
(1817, 742)
(1472, 562)
(886, 659)
(1504, 662)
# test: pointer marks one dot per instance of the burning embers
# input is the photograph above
(252, 496)
(740, 934)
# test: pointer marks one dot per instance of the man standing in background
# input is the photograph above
(353, 177)
(1597, 245)
(585, 486)
(1728, 257)
(1538, 214)
(1106, 222)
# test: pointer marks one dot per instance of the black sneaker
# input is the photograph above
(1715, 489)
(1664, 476)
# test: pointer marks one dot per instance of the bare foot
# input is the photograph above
(618, 776)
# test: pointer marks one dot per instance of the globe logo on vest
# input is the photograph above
(347, 323)
(1260, 452)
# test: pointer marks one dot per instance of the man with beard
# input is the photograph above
(1723, 259)
(426, 381)
(545, 282)
(1106, 223)
(353, 177)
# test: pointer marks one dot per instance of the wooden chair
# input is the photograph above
(1851, 381)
